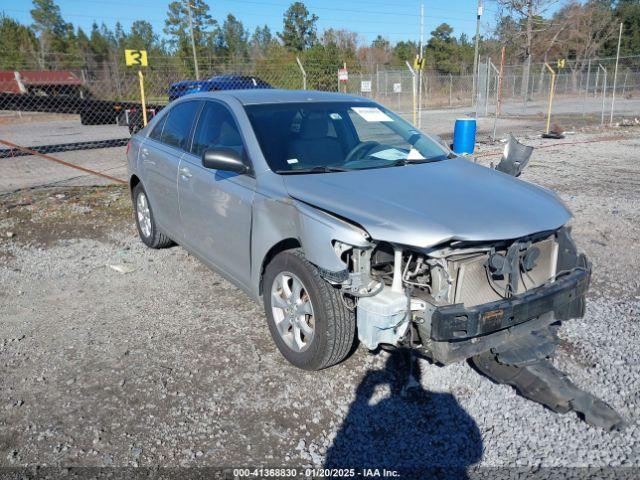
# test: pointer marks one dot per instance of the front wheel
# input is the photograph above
(307, 318)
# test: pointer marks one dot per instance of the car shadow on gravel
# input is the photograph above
(395, 424)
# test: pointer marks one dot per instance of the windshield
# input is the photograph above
(321, 137)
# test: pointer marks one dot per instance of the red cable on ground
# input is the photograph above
(62, 162)
(601, 139)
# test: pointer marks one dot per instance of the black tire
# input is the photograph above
(335, 324)
(155, 238)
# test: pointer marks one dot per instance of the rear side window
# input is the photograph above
(178, 125)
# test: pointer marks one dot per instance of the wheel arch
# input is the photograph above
(281, 246)
(134, 180)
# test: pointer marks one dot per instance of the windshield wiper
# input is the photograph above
(402, 162)
(319, 169)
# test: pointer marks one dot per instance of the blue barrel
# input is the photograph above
(464, 136)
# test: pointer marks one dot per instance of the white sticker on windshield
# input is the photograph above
(291, 161)
(372, 114)
(415, 155)
(390, 154)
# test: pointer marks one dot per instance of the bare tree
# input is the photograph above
(587, 27)
(528, 16)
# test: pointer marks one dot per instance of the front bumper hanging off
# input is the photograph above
(456, 333)
(511, 341)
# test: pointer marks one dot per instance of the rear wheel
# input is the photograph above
(149, 232)
(307, 319)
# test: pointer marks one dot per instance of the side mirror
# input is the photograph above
(225, 159)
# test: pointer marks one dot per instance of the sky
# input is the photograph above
(395, 20)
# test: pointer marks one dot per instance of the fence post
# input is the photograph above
(615, 75)
(477, 89)
(586, 94)
(498, 93)
(451, 88)
(604, 91)
(486, 97)
(413, 89)
(304, 74)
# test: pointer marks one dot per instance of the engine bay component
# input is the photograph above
(528, 261)
(382, 318)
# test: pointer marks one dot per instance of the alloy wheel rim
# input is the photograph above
(292, 311)
(144, 215)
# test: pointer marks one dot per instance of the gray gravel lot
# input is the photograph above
(171, 365)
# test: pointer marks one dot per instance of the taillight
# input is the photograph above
(128, 147)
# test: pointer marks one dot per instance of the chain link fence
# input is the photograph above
(106, 94)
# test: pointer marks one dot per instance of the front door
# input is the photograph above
(215, 206)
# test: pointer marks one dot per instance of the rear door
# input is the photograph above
(215, 206)
(160, 159)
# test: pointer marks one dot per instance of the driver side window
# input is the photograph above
(216, 128)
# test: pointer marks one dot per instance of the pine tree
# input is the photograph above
(299, 28)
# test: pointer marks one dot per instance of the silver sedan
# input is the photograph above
(350, 224)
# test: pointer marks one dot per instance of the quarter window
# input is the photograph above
(178, 125)
(156, 133)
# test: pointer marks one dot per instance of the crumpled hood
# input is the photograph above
(426, 204)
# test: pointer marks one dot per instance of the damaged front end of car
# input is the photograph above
(496, 303)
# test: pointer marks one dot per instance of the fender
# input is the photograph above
(275, 220)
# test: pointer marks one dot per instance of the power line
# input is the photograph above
(93, 17)
(279, 15)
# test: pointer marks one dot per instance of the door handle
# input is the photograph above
(184, 172)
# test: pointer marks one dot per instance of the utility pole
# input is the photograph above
(421, 65)
(474, 92)
(527, 71)
(615, 75)
(193, 41)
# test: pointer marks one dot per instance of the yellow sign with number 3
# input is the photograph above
(136, 58)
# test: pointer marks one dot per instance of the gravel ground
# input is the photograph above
(168, 364)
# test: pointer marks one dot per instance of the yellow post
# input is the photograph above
(142, 100)
(551, 92)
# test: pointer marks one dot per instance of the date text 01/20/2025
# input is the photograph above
(314, 473)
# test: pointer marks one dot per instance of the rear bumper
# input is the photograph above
(458, 333)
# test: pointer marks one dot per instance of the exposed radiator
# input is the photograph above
(473, 286)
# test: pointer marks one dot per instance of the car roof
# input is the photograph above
(257, 96)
